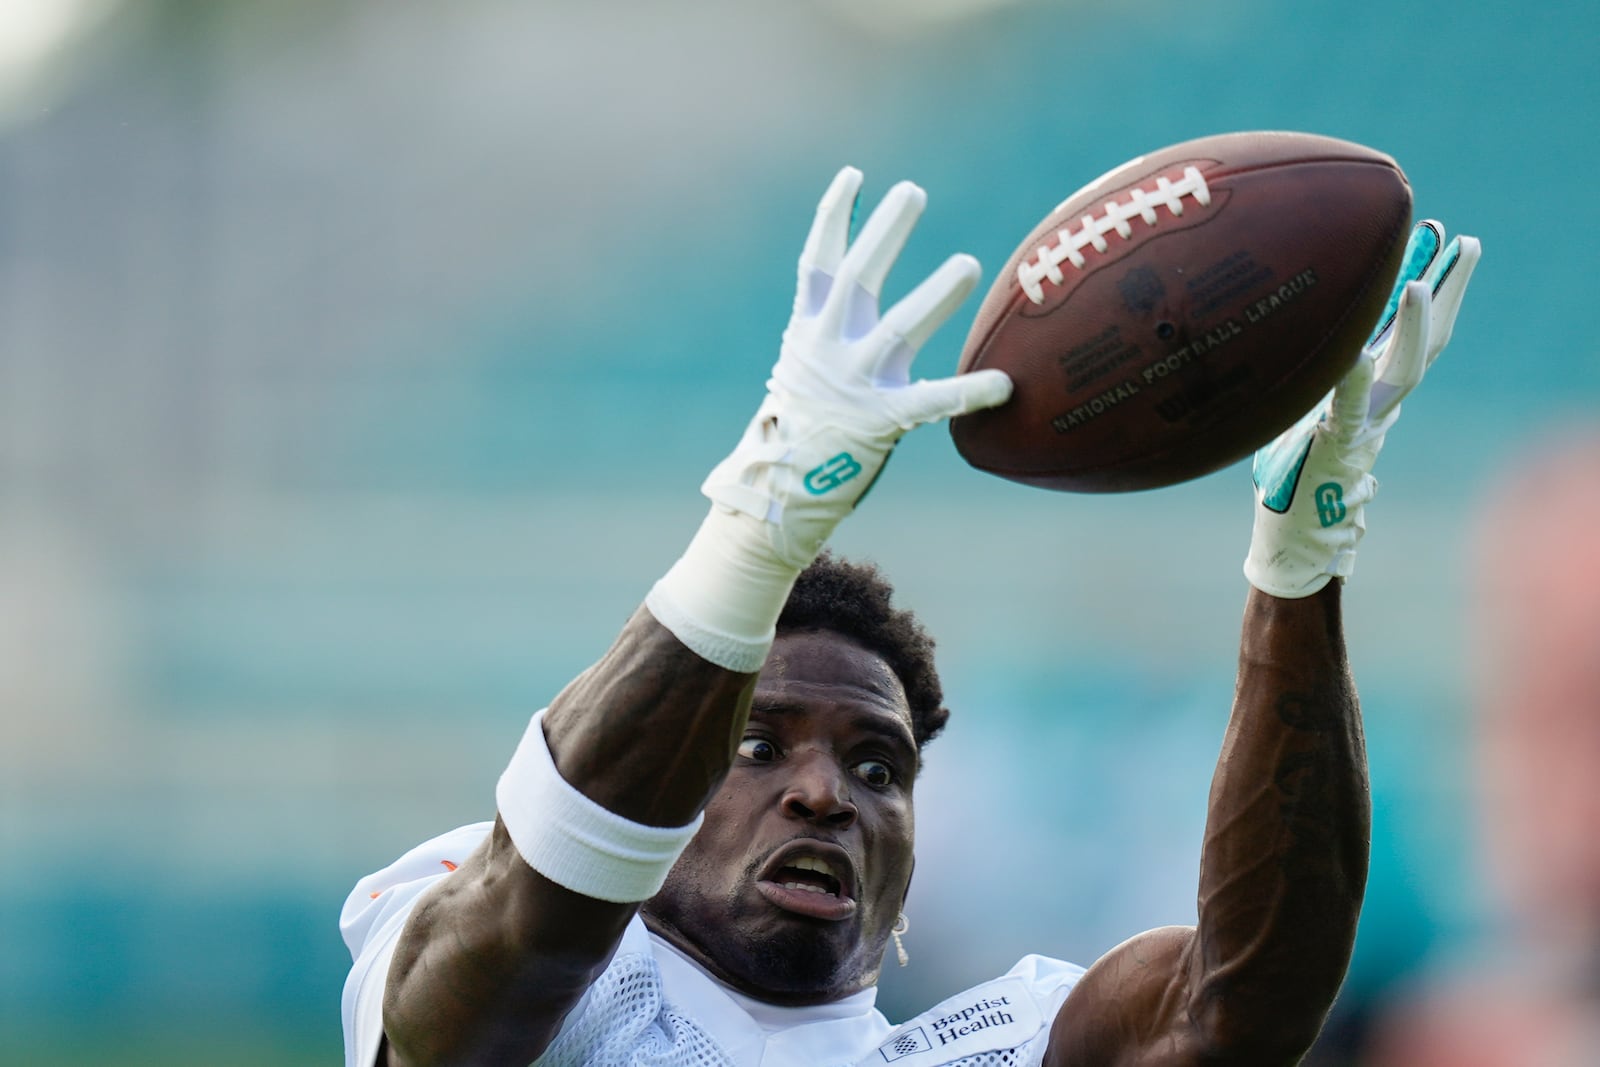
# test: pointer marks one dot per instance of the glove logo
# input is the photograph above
(831, 474)
(1330, 503)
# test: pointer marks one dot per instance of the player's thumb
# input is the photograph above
(1348, 412)
(929, 401)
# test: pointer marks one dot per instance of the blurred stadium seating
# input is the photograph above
(359, 363)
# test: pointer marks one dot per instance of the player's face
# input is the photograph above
(791, 886)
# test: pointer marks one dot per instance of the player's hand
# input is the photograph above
(1313, 481)
(839, 398)
(841, 393)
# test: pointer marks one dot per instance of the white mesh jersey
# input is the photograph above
(654, 1007)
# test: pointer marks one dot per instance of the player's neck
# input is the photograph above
(838, 1001)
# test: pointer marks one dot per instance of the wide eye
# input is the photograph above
(875, 773)
(758, 749)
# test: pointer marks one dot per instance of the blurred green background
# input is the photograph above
(359, 364)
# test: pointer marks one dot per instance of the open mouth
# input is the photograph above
(811, 878)
(809, 875)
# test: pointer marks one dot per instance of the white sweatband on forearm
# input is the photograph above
(575, 842)
(723, 596)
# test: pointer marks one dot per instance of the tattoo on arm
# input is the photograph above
(1307, 796)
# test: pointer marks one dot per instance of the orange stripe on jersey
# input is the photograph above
(448, 865)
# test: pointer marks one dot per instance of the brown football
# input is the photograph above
(1178, 313)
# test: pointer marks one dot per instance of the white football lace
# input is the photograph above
(1141, 205)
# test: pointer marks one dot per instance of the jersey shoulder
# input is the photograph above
(372, 896)
(374, 914)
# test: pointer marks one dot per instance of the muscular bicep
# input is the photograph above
(1133, 1007)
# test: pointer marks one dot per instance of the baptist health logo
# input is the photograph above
(907, 1043)
(954, 1027)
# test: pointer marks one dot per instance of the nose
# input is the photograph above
(819, 792)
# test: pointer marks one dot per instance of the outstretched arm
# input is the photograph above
(1284, 863)
(491, 961)
(494, 957)
(1282, 872)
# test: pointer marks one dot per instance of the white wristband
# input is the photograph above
(723, 596)
(575, 842)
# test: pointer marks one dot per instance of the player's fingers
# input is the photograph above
(1405, 358)
(879, 243)
(830, 230)
(1348, 411)
(825, 244)
(1444, 264)
(1458, 263)
(942, 398)
(1422, 249)
(921, 312)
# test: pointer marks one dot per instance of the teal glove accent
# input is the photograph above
(1304, 537)
(1277, 466)
(1420, 252)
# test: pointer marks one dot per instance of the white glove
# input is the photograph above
(839, 398)
(1313, 481)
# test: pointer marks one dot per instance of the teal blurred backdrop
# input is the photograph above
(359, 364)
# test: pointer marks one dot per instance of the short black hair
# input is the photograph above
(855, 601)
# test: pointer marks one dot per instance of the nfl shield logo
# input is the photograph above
(1141, 290)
